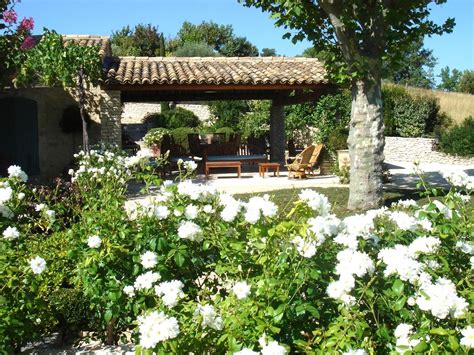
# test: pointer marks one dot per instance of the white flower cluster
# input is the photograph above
(257, 207)
(355, 352)
(468, 337)
(190, 230)
(305, 247)
(405, 203)
(94, 241)
(403, 333)
(156, 327)
(142, 154)
(350, 263)
(146, 280)
(441, 299)
(101, 165)
(272, 347)
(149, 259)
(191, 212)
(38, 265)
(315, 201)
(195, 191)
(210, 318)
(231, 209)
(6, 193)
(11, 233)
(324, 226)
(467, 248)
(241, 290)
(459, 178)
(190, 166)
(14, 171)
(358, 226)
(170, 292)
(148, 207)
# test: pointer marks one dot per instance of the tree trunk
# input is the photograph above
(110, 336)
(366, 143)
(82, 109)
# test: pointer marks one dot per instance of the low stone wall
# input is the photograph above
(419, 149)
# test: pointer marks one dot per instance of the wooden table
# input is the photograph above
(265, 167)
(223, 164)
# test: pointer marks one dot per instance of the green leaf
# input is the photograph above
(179, 259)
(421, 347)
(399, 304)
(438, 331)
(453, 342)
(398, 286)
(108, 315)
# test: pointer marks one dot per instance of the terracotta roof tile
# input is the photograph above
(102, 42)
(219, 71)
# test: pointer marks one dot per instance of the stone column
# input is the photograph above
(277, 132)
(110, 113)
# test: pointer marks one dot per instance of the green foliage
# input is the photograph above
(180, 137)
(416, 69)
(337, 139)
(193, 49)
(449, 80)
(459, 140)
(227, 130)
(177, 117)
(239, 47)
(143, 40)
(268, 52)
(466, 83)
(410, 116)
(228, 113)
(155, 136)
(256, 122)
(54, 63)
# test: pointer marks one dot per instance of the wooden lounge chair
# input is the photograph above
(301, 163)
(314, 159)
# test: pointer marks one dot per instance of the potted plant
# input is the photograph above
(153, 139)
(337, 142)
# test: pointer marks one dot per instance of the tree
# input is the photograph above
(143, 40)
(466, 83)
(15, 39)
(239, 47)
(52, 62)
(449, 81)
(357, 38)
(192, 49)
(268, 52)
(210, 33)
(416, 69)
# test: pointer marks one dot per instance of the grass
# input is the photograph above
(338, 197)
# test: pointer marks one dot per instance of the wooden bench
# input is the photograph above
(222, 164)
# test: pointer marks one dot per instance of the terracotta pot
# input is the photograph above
(156, 149)
(343, 159)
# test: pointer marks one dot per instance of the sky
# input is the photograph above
(101, 17)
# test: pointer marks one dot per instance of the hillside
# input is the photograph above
(457, 105)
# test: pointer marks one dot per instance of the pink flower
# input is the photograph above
(28, 43)
(10, 16)
(27, 24)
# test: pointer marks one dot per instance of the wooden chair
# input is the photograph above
(314, 159)
(301, 163)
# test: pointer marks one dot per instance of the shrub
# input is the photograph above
(155, 136)
(459, 140)
(175, 118)
(180, 137)
(256, 122)
(227, 130)
(337, 140)
(409, 116)
(228, 113)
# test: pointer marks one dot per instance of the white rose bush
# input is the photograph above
(187, 269)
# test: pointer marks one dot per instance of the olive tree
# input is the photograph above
(356, 38)
(54, 63)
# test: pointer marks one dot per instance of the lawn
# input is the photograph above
(338, 197)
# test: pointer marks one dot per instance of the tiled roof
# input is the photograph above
(215, 71)
(102, 42)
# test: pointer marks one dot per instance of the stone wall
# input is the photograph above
(419, 149)
(135, 112)
(56, 148)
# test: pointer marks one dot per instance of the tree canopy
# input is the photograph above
(143, 40)
(449, 79)
(466, 83)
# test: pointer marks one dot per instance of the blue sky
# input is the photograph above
(104, 16)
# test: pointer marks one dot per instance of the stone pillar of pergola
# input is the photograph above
(277, 132)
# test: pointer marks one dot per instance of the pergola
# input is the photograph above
(283, 80)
